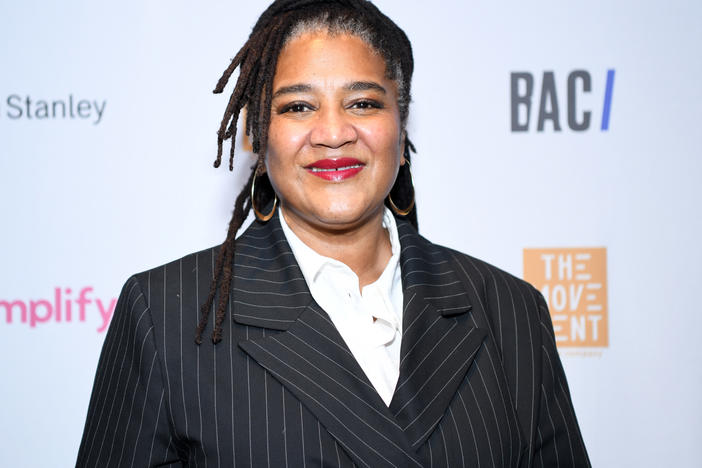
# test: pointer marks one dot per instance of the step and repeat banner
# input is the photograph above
(559, 141)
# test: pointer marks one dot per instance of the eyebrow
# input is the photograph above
(364, 86)
(353, 86)
(296, 88)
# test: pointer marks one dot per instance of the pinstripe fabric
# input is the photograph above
(481, 384)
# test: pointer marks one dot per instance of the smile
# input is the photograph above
(335, 170)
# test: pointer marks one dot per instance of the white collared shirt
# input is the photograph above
(374, 343)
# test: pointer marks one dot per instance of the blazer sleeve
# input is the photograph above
(558, 441)
(127, 423)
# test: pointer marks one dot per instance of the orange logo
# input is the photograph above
(574, 283)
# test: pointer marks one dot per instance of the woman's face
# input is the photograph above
(334, 144)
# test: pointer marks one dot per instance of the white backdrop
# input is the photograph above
(114, 148)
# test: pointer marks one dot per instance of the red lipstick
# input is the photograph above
(335, 170)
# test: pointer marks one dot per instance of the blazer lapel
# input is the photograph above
(438, 343)
(309, 356)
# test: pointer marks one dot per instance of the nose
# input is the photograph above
(332, 129)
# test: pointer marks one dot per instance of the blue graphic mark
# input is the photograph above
(607, 100)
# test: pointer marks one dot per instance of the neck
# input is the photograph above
(364, 247)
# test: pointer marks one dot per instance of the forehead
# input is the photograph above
(320, 58)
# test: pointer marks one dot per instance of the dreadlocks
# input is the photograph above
(257, 61)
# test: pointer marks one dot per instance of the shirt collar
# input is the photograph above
(312, 263)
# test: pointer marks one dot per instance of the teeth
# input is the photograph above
(318, 169)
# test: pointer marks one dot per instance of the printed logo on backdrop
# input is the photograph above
(574, 283)
(27, 107)
(62, 306)
(533, 104)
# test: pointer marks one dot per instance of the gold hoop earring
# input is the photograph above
(260, 216)
(407, 210)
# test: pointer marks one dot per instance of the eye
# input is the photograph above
(295, 107)
(366, 104)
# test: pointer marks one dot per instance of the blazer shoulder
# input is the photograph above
(505, 304)
(178, 288)
(255, 236)
(487, 276)
(491, 287)
(201, 259)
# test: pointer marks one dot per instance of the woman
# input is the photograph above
(341, 337)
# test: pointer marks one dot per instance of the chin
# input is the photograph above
(345, 215)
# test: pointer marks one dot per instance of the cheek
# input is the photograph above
(283, 158)
(285, 137)
(384, 139)
(283, 146)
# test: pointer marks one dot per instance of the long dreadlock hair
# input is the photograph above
(257, 60)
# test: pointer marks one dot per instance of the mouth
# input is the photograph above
(335, 169)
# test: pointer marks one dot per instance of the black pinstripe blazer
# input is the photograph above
(481, 383)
